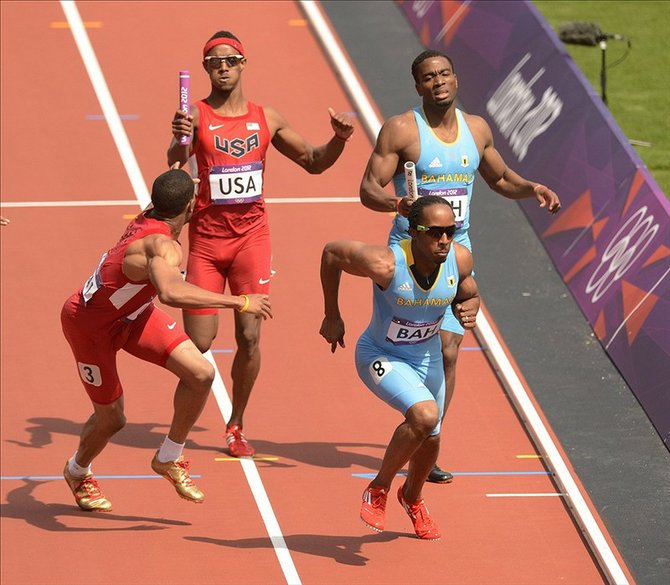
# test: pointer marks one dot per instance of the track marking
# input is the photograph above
(100, 203)
(63, 24)
(254, 458)
(142, 195)
(60, 477)
(101, 117)
(106, 102)
(133, 202)
(529, 456)
(257, 489)
(530, 495)
(484, 332)
(462, 473)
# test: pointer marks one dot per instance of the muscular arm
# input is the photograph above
(503, 180)
(467, 301)
(158, 258)
(314, 159)
(387, 155)
(359, 259)
(182, 125)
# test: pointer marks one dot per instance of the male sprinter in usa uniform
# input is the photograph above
(114, 310)
(448, 147)
(399, 355)
(229, 236)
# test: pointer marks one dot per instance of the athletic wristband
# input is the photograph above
(340, 138)
(245, 306)
(397, 205)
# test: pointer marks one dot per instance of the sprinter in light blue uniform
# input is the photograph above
(446, 169)
(438, 133)
(402, 341)
(436, 175)
(399, 355)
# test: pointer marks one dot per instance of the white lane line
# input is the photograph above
(106, 102)
(484, 332)
(121, 202)
(141, 192)
(529, 495)
(256, 485)
(39, 204)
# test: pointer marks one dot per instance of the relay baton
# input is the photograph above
(410, 180)
(184, 94)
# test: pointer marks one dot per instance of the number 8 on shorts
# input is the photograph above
(379, 368)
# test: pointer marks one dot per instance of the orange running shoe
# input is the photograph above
(87, 492)
(424, 525)
(373, 508)
(238, 446)
(176, 472)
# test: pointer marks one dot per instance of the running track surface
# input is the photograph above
(317, 430)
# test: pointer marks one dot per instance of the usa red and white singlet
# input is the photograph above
(111, 312)
(230, 152)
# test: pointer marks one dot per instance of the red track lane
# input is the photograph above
(309, 410)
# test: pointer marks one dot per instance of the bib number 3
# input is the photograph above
(90, 373)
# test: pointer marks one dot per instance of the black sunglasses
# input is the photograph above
(230, 60)
(436, 232)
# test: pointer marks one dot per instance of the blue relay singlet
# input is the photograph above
(446, 169)
(406, 318)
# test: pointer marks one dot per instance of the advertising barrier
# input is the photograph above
(611, 240)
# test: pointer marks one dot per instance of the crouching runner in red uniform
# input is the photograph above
(229, 236)
(114, 310)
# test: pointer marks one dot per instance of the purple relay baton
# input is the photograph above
(184, 94)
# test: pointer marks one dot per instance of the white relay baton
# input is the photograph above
(410, 180)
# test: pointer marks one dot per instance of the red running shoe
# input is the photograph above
(373, 508)
(238, 446)
(424, 525)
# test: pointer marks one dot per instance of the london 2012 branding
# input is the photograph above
(516, 111)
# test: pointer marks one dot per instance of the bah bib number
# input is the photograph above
(403, 332)
(457, 198)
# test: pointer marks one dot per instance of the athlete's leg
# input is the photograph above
(101, 426)
(94, 352)
(249, 272)
(206, 268)
(423, 460)
(420, 464)
(420, 421)
(451, 343)
(201, 329)
(155, 338)
(417, 391)
(195, 375)
(246, 364)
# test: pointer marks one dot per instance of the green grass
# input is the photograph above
(637, 88)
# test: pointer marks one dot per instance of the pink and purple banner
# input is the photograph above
(611, 240)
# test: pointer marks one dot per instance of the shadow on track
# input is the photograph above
(22, 505)
(345, 550)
